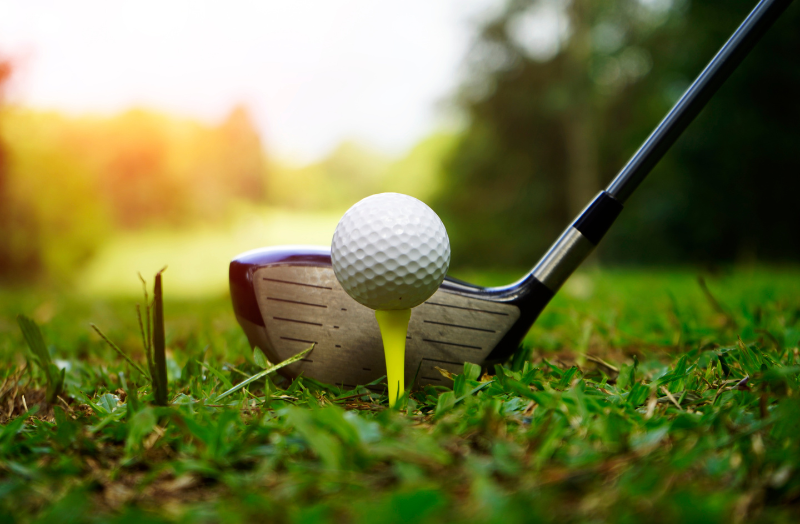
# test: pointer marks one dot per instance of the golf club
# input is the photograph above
(287, 298)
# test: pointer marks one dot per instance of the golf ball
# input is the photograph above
(390, 251)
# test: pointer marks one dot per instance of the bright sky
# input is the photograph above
(313, 73)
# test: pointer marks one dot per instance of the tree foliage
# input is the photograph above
(551, 123)
(71, 182)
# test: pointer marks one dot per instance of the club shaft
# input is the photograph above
(695, 98)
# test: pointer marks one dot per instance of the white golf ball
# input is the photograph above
(390, 251)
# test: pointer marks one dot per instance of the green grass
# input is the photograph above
(113, 269)
(638, 403)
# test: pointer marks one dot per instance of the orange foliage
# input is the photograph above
(155, 169)
(71, 182)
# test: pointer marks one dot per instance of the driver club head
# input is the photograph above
(288, 298)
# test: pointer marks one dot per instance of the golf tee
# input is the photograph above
(393, 324)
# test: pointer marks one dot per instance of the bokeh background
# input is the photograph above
(184, 133)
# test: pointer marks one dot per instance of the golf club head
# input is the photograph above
(287, 298)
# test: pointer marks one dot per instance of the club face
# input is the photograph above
(288, 298)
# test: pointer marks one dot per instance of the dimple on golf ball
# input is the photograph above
(390, 251)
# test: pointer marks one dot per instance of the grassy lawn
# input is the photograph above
(639, 396)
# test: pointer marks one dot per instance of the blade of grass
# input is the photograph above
(159, 344)
(671, 398)
(145, 341)
(33, 336)
(474, 390)
(121, 353)
(264, 373)
(222, 378)
(55, 376)
(715, 304)
(132, 398)
(148, 333)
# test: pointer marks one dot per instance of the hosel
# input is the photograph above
(577, 242)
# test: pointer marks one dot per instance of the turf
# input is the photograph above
(638, 396)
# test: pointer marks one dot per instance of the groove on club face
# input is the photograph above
(300, 305)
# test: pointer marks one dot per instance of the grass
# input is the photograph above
(113, 270)
(640, 396)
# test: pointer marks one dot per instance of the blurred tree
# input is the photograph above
(134, 172)
(348, 174)
(156, 169)
(18, 257)
(727, 192)
(561, 93)
(68, 183)
(242, 156)
(419, 172)
(5, 219)
(352, 171)
(57, 216)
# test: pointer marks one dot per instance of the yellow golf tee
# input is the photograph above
(394, 326)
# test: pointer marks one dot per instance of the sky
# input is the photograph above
(312, 73)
